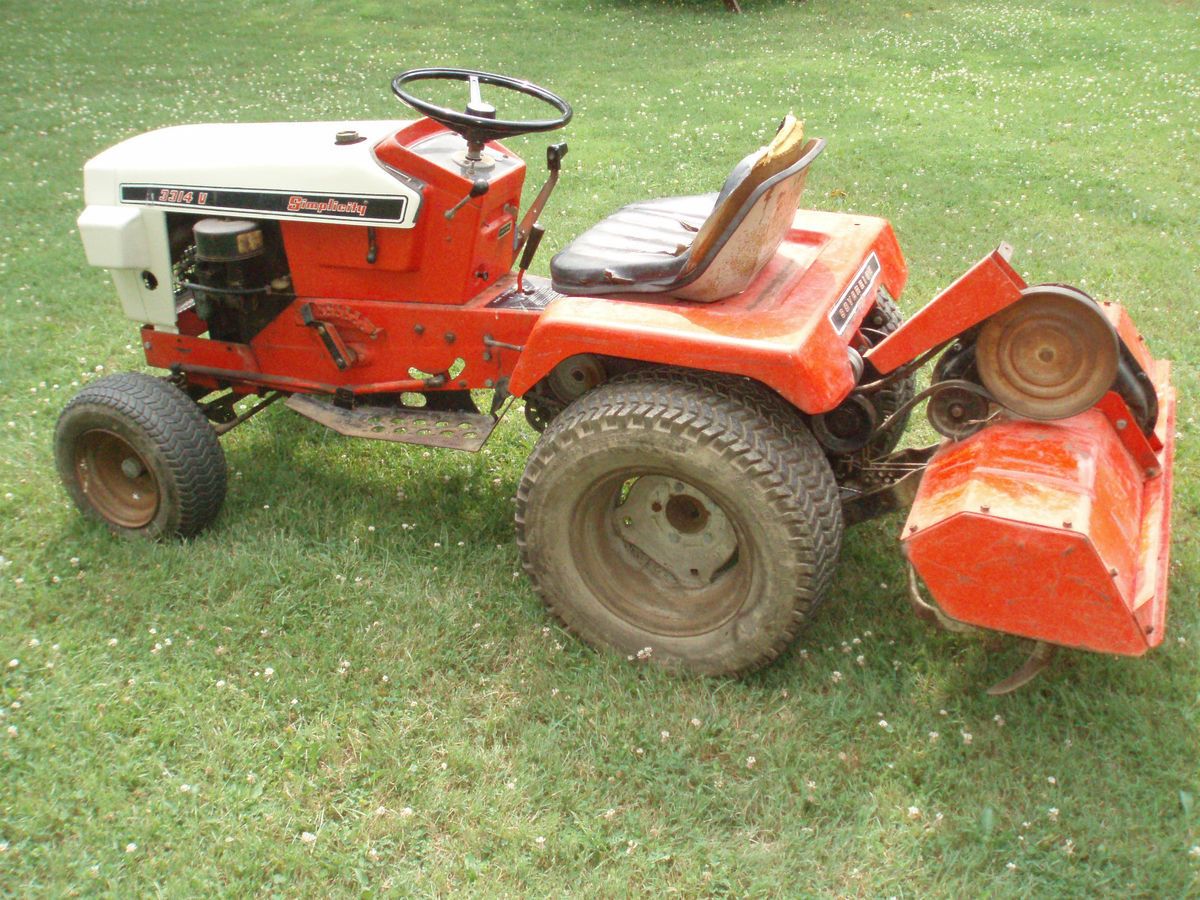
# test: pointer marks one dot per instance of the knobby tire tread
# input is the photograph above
(178, 428)
(754, 428)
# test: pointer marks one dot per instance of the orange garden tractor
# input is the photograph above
(720, 381)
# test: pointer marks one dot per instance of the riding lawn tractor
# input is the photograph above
(720, 381)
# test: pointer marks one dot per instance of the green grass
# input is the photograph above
(350, 653)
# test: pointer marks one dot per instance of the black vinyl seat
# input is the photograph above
(702, 247)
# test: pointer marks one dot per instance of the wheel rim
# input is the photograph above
(1050, 355)
(115, 479)
(660, 553)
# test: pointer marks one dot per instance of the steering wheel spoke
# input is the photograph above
(476, 105)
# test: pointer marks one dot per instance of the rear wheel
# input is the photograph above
(138, 454)
(883, 320)
(687, 516)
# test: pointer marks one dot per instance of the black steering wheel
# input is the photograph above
(478, 123)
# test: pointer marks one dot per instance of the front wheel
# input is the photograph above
(687, 517)
(138, 454)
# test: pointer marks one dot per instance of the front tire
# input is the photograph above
(691, 517)
(138, 454)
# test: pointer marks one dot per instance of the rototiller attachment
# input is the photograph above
(1046, 512)
(720, 380)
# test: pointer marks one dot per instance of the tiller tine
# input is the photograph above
(928, 612)
(1039, 659)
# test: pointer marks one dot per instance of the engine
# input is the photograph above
(236, 273)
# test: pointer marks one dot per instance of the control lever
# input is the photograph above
(554, 155)
(531, 246)
(478, 189)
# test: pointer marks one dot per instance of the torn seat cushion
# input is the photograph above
(643, 244)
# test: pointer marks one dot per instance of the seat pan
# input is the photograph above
(640, 247)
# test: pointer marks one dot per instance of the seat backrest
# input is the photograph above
(752, 215)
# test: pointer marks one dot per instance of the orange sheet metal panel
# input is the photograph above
(780, 330)
(1049, 530)
(986, 288)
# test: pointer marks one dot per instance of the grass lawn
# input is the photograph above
(344, 687)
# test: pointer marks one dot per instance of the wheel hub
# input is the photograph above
(678, 527)
(116, 479)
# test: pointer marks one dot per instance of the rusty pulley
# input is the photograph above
(1051, 355)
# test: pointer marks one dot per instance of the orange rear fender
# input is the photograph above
(790, 329)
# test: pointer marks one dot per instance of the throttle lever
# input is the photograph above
(478, 189)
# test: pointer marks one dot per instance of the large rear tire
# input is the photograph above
(689, 517)
(886, 318)
(138, 454)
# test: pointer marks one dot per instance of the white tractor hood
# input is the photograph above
(276, 171)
